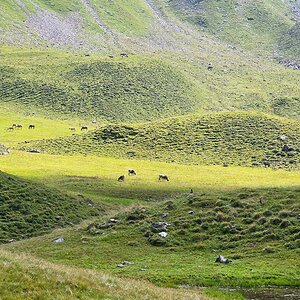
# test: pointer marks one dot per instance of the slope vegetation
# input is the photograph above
(28, 209)
(257, 229)
(224, 138)
(257, 25)
(24, 277)
(133, 89)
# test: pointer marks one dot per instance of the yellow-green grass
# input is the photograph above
(98, 175)
(24, 277)
(45, 128)
(239, 138)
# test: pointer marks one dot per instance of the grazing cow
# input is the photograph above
(124, 55)
(163, 177)
(84, 128)
(18, 126)
(72, 128)
(10, 128)
(131, 172)
(31, 126)
(121, 178)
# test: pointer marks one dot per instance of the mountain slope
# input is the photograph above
(28, 209)
(257, 25)
(223, 138)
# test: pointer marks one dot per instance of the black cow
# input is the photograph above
(84, 128)
(31, 126)
(131, 172)
(121, 178)
(163, 177)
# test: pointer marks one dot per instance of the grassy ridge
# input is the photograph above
(28, 209)
(225, 138)
(25, 277)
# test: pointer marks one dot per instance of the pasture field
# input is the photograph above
(239, 138)
(247, 214)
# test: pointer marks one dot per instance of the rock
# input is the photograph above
(58, 240)
(113, 221)
(11, 241)
(165, 215)
(287, 148)
(163, 234)
(125, 263)
(160, 225)
(221, 259)
(191, 212)
(210, 66)
(282, 138)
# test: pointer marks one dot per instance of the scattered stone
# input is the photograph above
(222, 260)
(210, 66)
(58, 240)
(12, 240)
(163, 234)
(282, 138)
(113, 221)
(191, 212)
(287, 148)
(125, 263)
(160, 225)
(5, 152)
(165, 215)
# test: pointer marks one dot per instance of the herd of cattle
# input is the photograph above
(131, 172)
(20, 126)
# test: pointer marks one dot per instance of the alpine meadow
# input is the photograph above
(150, 149)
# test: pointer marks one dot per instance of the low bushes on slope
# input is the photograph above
(28, 209)
(223, 138)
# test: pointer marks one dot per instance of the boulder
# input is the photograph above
(163, 234)
(58, 240)
(222, 260)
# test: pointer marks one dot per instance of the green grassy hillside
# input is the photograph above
(133, 89)
(224, 138)
(28, 209)
(255, 25)
(257, 229)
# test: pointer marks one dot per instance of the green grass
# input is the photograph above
(225, 138)
(25, 277)
(29, 209)
(256, 26)
(142, 87)
(222, 223)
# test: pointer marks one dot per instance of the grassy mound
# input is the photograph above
(224, 138)
(28, 209)
(133, 89)
(257, 229)
(24, 277)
